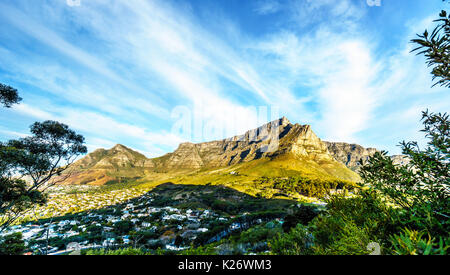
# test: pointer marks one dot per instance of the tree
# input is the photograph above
(303, 215)
(41, 158)
(421, 187)
(12, 245)
(124, 227)
(8, 96)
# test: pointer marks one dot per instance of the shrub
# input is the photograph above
(124, 251)
(297, 242)
(410, 242)
(12, 244)
(338, 236)
(304, 215)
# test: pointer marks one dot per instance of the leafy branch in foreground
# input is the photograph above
(421, 186)
(436, 48)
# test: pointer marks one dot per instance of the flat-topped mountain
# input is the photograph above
(276, 138)
(292, 146)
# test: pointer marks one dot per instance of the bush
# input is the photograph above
(124, 251)
(411, 242)
(12, 244)
(338, 236)
(367, 210)
(421, 186)
(304, 215)
(298, 242)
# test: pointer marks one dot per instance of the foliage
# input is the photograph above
(201, 250)
(421, 187)
(303, 215)
(340, 236)
(410, 242)
(41, 158)
(123, 226)
(15, 190)
(297, 242)
(309, 187)
(8, 96)
(12, 244)
(225, 200)
(366, 210)
(257, 234)
(121, 252)
(436, 48)
(346, 227)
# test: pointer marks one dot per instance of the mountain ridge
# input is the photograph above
(279, 140)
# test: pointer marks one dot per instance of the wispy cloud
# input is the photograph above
(267, 7)
(115, 70)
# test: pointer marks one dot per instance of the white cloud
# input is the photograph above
(267, 7)
(139, 59)
(102, 131)
(343, 13)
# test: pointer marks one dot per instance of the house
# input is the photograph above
(235, 226)
(109, 241)
(63, 223)
(146, 224)
(126, 239)
(174, 248)
(73, 246)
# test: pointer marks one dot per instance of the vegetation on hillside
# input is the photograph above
(403, 209)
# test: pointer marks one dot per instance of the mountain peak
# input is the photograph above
(120, 147)
(279, 139)
(284, 121)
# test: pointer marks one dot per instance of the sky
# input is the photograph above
(152, 74)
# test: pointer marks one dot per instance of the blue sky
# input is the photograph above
(152, 74)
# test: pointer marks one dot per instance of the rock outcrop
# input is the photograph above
(276, 138)
(350, 154)
(279, 139)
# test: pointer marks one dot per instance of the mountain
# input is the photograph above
(117, 158)
(278, 148)
(108, 166)
(350, 154)
(274, 139)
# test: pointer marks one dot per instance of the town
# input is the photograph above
(143, 222)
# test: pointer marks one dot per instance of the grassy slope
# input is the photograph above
(244, 177)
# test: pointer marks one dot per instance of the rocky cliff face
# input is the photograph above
(350, 154)
(276, 138)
